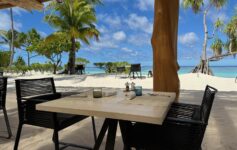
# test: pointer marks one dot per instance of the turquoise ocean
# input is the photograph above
(220, 71)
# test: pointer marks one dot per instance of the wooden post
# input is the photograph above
(164, 43)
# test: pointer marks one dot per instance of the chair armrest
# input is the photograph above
(184, 121)
(44, 96)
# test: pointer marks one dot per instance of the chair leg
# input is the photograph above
(94, 128)
(18, 135)
(7, 123)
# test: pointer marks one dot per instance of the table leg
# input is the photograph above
(124, 127)
(111, 135)
(101, 134)
(111, 126)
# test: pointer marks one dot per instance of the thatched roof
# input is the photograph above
(26, 4)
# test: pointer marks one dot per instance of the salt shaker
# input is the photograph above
(127, 86)
(132, 86)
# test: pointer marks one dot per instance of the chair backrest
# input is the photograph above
(33, 87)
(207, 102)
(135, 67)
(3, 91)
(1, 73)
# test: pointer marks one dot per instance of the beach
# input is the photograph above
(190, 81)
(221, 133)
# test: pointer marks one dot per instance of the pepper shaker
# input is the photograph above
(127, 86)
(132, 86)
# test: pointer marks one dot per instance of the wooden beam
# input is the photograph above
(26, 4)
(5, 5)
(164, 43)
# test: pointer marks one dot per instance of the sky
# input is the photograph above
(126, 27)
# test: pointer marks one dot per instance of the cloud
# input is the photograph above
(102, 29)
(188, 39)
(6, 22)
(139, 39)
(145, 4)
(4, 47)
(214, 15)
(43, 34)
(105, 42)
(112, 20)
(139, 22)
(18, 11)
(119, 36)
(125, 49)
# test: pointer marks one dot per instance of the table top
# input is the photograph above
(151, 107)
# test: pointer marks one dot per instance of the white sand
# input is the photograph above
(187, 81)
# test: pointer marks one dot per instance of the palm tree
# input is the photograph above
(13, 41)
(199, 6)
(75, 19)
(231, 32)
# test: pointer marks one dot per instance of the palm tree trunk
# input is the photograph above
(203, 67)
(72, 57)
(12, 40)
(204, 49)
(230, 45)
(164, 43)
(28, 58)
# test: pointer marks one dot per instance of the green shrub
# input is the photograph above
(47, 67)
(111, 67)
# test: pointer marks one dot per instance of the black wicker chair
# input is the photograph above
(34, 91)
(135, 68)
(183, 128)
(3, 92)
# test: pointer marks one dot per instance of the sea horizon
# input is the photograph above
(219, 71)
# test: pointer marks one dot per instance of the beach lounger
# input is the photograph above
(135, 68)
(34, 91)
(3, 92)
(183, 128)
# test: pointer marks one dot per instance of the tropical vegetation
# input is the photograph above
(110, 67)
(74, 19)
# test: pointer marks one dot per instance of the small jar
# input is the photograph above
(138, 90)
(97, 92)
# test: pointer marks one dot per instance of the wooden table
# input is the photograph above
(147, 109)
